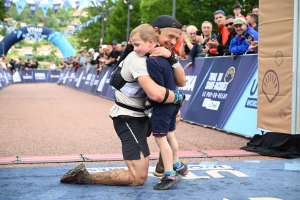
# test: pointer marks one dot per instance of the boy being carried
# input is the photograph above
(143, 38)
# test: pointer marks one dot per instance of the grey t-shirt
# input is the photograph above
(133, 67)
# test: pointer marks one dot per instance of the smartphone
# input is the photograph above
(249, 37)
(199, 33)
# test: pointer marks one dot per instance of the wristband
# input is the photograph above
(178, 96)
(176, 65)
(166, 96)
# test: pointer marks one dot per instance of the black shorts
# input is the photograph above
(132, 132)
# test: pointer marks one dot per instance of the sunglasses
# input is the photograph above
(229, 24)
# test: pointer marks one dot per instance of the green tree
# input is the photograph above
(2, 11)
(117, 22)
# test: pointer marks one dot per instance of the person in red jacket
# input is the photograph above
(223, 33)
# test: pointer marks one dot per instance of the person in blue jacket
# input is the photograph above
(239, 45)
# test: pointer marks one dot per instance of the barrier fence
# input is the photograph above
(220, 92)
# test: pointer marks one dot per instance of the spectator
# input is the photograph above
(114, 54)
(245, 35)
(189, 38)
(53, 66)
(82, 58)
(255, 10)
(76, 64)
(184, 28)
(3, 62)
(101, 60)
(236, 8)
(223, 49)
(123, 46)
(211, 47)
(21, 64)
(63, 64)
(87, 63)
(252, 20)
(12, 66)
(197, 50)
(94, 56)
(28, 64)
(34, 64)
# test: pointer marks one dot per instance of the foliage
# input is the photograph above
(2, 11)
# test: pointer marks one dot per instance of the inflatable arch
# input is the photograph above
(37, 32)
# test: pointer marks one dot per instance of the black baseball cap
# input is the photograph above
(166, 21)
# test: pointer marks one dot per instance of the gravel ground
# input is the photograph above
(48, 120)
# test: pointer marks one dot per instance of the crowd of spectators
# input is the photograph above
(237, 35)
(16, 65)
(104, 55)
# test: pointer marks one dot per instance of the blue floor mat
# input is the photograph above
(234, 180)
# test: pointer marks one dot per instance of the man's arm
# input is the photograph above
(178, 72)
(155, 92)
(179, 76)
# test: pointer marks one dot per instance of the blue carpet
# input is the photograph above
(235, 180)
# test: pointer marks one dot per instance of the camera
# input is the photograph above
(198, 32)
(249, 37)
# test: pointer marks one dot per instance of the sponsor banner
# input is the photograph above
(17, 77)
(41, 76)
(54, 75)
(77, 74)
(241, 104)
(27, 76)
(213, 85)
(81, 79)
(191, 77)
(96, 82)
(104, 81)
(71, 77)
(111, 90)
(66, 76)
(2, 79)
(90, 78)
(9, 77)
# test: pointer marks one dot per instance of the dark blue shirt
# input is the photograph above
(161, 71)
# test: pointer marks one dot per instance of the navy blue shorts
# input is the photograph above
(164, 119)
(132, 132)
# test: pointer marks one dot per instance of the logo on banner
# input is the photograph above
(270, 85)
(189, 86)
(216, 87)
(54, 76)
(229, 76)
(252, 102)
(40, 76)
(35, 31)
(26, 76)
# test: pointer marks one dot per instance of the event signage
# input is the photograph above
(214, 82)
(191, 77)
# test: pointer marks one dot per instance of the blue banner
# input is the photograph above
(191, 77)
(45, 8)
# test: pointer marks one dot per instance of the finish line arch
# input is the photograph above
(37, 32)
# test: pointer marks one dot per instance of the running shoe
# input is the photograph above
(182, 170)
(167, 181)
(78, 175)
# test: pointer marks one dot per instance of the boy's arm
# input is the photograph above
(154, 91)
